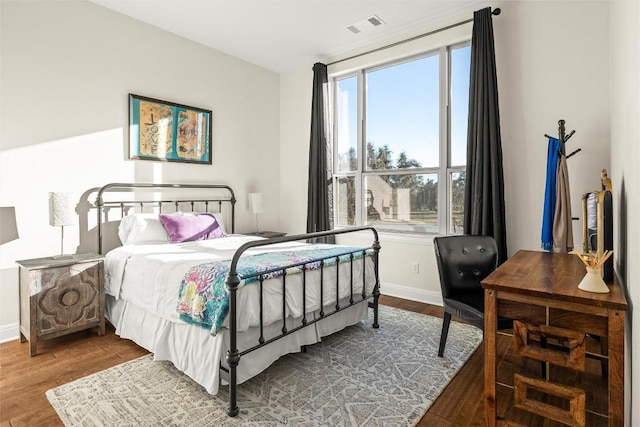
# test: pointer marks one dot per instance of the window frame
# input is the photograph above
(444, 171)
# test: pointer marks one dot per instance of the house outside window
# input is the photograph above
(399, 143)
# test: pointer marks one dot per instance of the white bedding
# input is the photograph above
(142, 282)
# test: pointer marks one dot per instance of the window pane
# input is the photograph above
(396, 201)
(460, 73)
(347, 120)
(402, 115)
(457, 202)
(345, 207)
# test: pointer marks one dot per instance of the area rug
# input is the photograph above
(357, 377)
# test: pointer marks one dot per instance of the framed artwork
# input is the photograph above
(169, 132)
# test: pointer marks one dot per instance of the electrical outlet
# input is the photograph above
(415, 267)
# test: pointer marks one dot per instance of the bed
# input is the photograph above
(222, 306)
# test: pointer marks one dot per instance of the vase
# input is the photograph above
(593, 282)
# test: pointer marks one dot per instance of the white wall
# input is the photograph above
(625, 162)
(295, 131)
(552, 65)
(543, 76)
(66, 70)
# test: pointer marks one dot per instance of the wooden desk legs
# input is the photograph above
(490, 325)
(616, 368)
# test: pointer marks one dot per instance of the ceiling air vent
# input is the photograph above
(375, 21)
(366, 24)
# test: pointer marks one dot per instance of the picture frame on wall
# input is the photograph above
(169, 132)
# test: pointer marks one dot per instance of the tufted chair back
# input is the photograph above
(463, 262)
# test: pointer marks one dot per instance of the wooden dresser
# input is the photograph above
(555, 327)
(59, 296)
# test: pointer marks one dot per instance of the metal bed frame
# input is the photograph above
(124, 205)
(234, 279)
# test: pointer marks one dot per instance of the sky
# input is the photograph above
(402, 108)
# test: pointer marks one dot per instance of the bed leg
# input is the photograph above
(374, 305)
(376, 287)
(233, 356)
(376, 325)
(232, 360)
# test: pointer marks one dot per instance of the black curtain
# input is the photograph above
(319, 197)
(484, 190)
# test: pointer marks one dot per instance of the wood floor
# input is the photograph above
(24, 380)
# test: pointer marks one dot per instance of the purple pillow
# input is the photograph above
(186, 228)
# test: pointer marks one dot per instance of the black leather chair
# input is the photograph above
(463, 262)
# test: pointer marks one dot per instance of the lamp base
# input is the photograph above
(592, 282)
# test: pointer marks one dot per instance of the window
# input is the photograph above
(400, 143)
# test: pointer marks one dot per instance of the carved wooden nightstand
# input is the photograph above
(59, 296)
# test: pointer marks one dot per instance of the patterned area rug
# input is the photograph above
(359, 376)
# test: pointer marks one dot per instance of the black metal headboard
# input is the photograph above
(204, 196)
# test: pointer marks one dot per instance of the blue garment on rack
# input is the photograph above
(553, 153)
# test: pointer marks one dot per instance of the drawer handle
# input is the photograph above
(574, 341)
(574, 416)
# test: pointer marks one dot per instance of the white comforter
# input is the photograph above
(149, 276)
(142, 283)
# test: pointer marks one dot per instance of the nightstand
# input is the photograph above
(59, 296)
(266, 234)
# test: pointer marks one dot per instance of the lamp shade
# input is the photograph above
(255, 203)
(8, 226)
(61, 209)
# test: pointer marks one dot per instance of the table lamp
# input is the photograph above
(61, 213)
(255, 205)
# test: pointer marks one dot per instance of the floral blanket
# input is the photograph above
(204, 298)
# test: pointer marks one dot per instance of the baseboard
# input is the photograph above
(9, 332)
(413, 294)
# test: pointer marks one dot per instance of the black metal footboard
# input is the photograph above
(234, 279)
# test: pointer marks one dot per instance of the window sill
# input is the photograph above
(400, 237)
(412, 238)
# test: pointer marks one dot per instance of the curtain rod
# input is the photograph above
(496, 12)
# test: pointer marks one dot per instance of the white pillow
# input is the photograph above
(217, 215)
(141, 227)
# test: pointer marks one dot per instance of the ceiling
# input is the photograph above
(285, 35)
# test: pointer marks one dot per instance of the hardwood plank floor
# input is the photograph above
(24, 380)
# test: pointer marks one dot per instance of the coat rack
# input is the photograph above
(563, 138)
